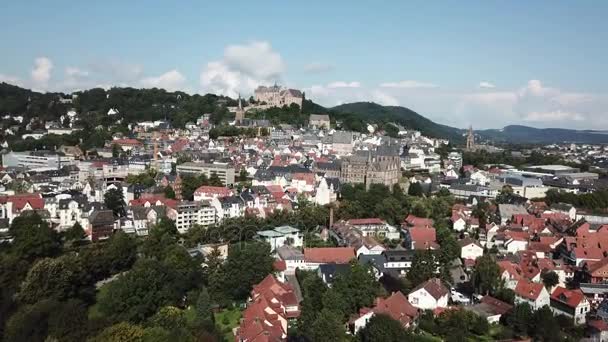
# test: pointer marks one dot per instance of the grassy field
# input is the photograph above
(226, 320)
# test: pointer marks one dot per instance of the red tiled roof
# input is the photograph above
(329, 255)
(497, 305)
(127, 141)
(397, 307)
(220, 191)
(414, 221)
(572, 298)
(528, 290)
(35, 201)
(422, 236)
(365, 221)
(514, 270)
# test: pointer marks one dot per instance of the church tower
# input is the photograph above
(240, 113)
(470, 139)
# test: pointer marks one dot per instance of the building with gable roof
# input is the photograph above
(396, 306)
(430, 295)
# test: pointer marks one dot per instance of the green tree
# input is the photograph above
(215, 180)
(247, 265)
(423, 267)
(383, 328)
(169, 192)
(74, 233)
(114, 200)
(204, 312)
(33, 238)
(328, 328)
(138, 294)
(50, 279)
(116, 151)
(169, 318)
(545, 326)
(520, 319)
(486, 276)
(550, 279)
(415, 190)
(121, 332)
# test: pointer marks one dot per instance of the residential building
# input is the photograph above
(430, 295)
(224, 172)
(570, 303)
(534, 294)
(280, 236)
(194, 213)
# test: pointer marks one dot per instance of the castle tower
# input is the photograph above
(470, 139)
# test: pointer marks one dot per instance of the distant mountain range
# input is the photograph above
(525, 134)
(509, 134)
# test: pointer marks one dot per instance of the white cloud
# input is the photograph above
(41, 73)
(242, 68)
(10, 79)
(485, 84)
(317, 68)
(408, 84)
(171, 80)
(384, 98)
(553, 116)
(342, 84)
(76, 72)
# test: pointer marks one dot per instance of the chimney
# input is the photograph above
(331, 217)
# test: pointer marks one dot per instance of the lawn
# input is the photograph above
(226, 320)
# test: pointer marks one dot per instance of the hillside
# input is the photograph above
(370, 111)
(525, 134)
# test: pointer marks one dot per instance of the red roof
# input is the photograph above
(329, 255)
(34, 200)
(128, 142)
(498, 306)
(219, 191)
(528, 290)
(414, 221)
(365, 221)
(397, 307)
(422, 237)
(572, 298)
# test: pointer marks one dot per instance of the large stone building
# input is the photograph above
(372, 167)
(277, 96)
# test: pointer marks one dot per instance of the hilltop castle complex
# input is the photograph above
(276, 96)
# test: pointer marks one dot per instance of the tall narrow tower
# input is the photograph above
(240, 113)
(470, 139)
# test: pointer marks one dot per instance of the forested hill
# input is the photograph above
(406, 117)
(179, 107)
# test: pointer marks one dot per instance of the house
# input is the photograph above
(534, 294)
(313, 257)
(570, 303)
(470, 249)
(291, 256)
(319, 121)
(375, 227)
(510, 273)
(598, 330)
(280, 236)
(210, 192)
(421, 238)
(490, 308)
(596, 272)
(271, 306)
(101, 225)
(328, 272)
(369, 246)
(564, 208)
(398, 261)
(508, 210)
(395, 306)
(429, 295)
(414, 221)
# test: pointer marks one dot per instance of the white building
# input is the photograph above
(429, 295)
(280, 236)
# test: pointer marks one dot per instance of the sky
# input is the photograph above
(482, 63)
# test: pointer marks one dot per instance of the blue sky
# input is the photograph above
(486, 63)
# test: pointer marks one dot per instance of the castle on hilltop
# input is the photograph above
(276, 96)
